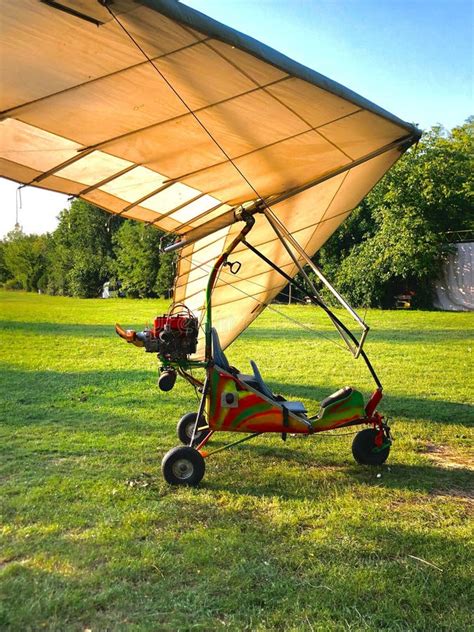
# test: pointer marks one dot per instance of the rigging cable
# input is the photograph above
(207, 268)
(190, 110)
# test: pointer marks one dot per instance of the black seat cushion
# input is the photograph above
(298, 408)
(342, 393)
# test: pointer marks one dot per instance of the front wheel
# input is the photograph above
(185, 428)
(366, 451)
(183, 466)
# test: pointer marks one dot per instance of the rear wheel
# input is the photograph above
(366, 451)
(185, 429)
(183, 466)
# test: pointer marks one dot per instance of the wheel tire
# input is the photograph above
(184, 430)
(363, 448)
(183, 466)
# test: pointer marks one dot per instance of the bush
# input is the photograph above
(13, 284)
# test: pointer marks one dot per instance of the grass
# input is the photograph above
(291, 536)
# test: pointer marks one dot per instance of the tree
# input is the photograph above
(4, 271)
(396, 238)
(137, 251)
(81, 257)
(166, 274)
(25, 260)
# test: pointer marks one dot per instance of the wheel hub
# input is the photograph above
(183, 469)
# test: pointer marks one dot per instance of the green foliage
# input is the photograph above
(81, 256)
(23, 260)
(4, 271)
(137, 251)
(394, 241)
(165, 277)
(88, 248)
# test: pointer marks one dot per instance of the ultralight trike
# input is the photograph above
(234, 402)
(191, 127)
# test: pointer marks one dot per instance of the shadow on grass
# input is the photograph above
(134, 388)
(187, 578)
(397, 336)
(298, 475)
(261, 334)
(162, 557)
(92, 412)
(90, 401)
(176, 565)
(61, 329)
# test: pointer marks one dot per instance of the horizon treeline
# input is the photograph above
(394, 242)
(88, 248)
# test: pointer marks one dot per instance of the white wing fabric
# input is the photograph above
(155, 112)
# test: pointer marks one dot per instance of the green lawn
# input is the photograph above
(278, 536)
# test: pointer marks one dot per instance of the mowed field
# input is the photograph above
(278, 536)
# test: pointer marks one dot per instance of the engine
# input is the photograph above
(173, 336)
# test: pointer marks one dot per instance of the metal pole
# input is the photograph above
(288, 250)
(202, 403)
(272, 218)
(229, 445)
(353, 349)
(249, 222)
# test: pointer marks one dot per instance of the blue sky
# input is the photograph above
(413, 58)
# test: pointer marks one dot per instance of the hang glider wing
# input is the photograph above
(155, 112)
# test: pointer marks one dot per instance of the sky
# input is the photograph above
(414, 58)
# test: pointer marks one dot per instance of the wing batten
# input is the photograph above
(200, 22)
